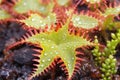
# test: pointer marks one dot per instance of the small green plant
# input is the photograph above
(108, 68)
(105, 57)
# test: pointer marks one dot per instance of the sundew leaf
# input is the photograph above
(4, 14)
(58, 44)
(36, 21)
(111, 11)
(23, 6)
(84, 21)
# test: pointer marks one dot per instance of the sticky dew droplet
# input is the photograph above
(52, 47)
(45, 54)
(24, 4)
(48, 59)
(72, 58)
(43, 60)
(33, 19)
(43, 38)
(41, 65)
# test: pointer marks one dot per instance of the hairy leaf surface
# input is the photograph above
(23, 6)
(37, 21)
(57, 44)
(112, 11)
(84, 21)
(4, 15)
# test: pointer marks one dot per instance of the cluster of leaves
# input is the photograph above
(59, 29)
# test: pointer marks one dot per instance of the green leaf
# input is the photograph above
(4, 15)
(23, 6)
(109, 23)
(57, 44)
(84, 21)
(112, 11)
(38, 21)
